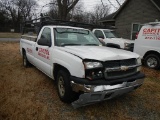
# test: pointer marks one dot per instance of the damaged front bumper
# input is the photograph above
(98, 93)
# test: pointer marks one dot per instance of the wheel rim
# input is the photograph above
(152, 62)
(24, 61)
(61, 86)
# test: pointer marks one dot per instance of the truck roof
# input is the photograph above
(153, 23)
(60, 26)
(103, 29)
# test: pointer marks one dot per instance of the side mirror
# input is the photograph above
(101, 40)
(44, 42)
(100, 37)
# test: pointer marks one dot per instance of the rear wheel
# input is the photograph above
(65, 92)
(152, 61)
(25, 60)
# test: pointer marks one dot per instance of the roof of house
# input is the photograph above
(109, 17)
(112, 16)
(156, 3)
(120, 9)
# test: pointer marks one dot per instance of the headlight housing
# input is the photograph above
(92, 65)
(93, 70)
(139, 63)
(126, 45)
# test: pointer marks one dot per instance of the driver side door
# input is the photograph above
(43, 52)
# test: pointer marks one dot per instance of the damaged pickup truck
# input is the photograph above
(85, 71)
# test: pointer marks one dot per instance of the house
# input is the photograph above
(131, 15)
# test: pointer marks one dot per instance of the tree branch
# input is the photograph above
(118, 3)
(72, 6)
(112, 4)
(102, 3)
(59, 2)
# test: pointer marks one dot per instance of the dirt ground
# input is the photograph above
(28, 94)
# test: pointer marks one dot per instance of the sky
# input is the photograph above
(88, 4)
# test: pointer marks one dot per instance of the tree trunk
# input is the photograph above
(64, 8)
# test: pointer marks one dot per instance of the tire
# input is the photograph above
(152, 61)
(25, 60)
(65, 92)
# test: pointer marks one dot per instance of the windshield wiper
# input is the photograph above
(91, 44)
(70, 44)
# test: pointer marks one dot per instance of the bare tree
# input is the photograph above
(77, 13)
(53, 9)
(4, 20)
(116, 4)
(100, 12)
(64, 7)
(25, 7)
(18, 10)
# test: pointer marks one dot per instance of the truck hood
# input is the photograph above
(99, 53)
(121, 39)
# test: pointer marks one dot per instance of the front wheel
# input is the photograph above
(65, 92)
(152, 61)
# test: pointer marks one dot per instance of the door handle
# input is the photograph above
(36, 48)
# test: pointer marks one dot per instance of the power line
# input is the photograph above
(112, 4)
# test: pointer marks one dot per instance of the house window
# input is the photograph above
(135, 30)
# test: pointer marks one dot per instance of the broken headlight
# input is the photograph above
(91, 65)
(93, 70)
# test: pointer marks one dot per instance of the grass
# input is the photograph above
(27, 93)
(10, 35)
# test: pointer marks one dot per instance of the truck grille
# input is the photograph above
(113, 68)
(132, 45)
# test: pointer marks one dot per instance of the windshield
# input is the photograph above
(69, 36)
(110, 34)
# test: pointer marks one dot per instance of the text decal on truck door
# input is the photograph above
(43, 53)
(29, 50)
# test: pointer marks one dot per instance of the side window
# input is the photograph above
(46, 34)
(99, 34)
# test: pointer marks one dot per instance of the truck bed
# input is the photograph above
(29, 37)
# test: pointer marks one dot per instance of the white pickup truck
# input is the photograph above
(110, 39)
(85, 71)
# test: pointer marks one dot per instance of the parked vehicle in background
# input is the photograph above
(147, 44)
(110, 39)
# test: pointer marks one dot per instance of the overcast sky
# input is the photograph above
(88, 4)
